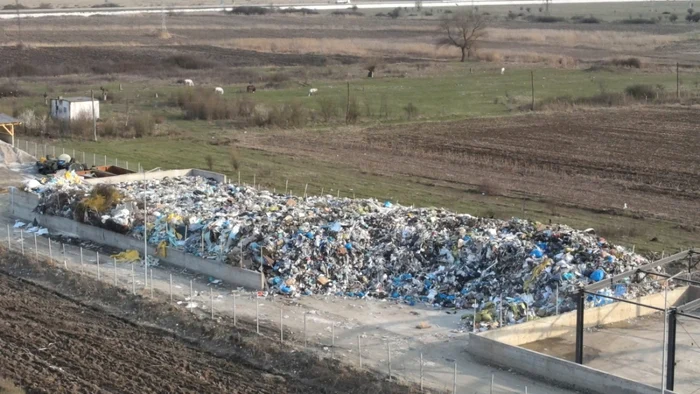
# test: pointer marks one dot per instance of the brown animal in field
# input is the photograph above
(250, 89)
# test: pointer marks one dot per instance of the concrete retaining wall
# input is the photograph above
(561, 372)
(565, 323)
(24, 203)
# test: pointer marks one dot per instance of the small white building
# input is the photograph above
(71, 108)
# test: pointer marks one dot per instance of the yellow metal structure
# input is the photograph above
(8, 124)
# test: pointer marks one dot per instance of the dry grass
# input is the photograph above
(7, 387)
(611, 40)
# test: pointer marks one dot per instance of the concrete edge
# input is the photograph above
(23, 205)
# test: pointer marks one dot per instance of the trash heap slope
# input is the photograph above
(358, 247)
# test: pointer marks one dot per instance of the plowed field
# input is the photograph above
(49, 344)
(643, 160)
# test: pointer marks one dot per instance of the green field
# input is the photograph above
(458, 93)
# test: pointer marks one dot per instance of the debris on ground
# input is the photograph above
(507, 270)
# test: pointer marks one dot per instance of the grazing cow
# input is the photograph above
(219, 90)
(503, 70)
(250, 89)
(313, 91)
(189, 82)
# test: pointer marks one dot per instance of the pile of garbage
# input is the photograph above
(360, 247)
(50, 165)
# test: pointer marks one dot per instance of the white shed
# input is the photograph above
(70, 108)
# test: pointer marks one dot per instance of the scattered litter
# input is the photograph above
(423, 325)
(128, 256)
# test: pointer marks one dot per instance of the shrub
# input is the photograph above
(641, 91)
(347, 13)
(546, 19)
(210, 162)
(353, 111)
(234, 158)
(45, 6)
(638, 21)
(673, 17)
(511, 15)
(188, 62)
(304, 11)
(395, 13)
(631, 62)
(411, 111)
(284, 116)
(250, 10)
(12, 89)
(328, 108)
(143, 125)
(106, 5)
(110, 128)
(693, 17)
(590, 19)
(15, 7)
(20, 69)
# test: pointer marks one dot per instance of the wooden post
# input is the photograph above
(94, 120)
(347, 106)
(678, 82)
(305, 189)
(286, 186)
(532, 83)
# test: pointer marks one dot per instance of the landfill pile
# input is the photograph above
(15, 165)
(359, 247)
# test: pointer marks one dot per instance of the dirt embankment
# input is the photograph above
(94, 338)
(642, 158)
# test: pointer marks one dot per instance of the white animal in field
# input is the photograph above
(189, 82)
(503, 70)
(219, 90)
(313, 91)
(624, 206)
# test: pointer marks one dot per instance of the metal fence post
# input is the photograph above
(454, 380)
(421, 372)
(211, 300)
(133, 280)
(281, 324)
(305, 341)
(65, 262)
(171, 288)
(9, 238)
(98, 265)
(81, 259)
(235, 318)
(257, 314)
(388, 352)
(116, 281)
(50, 250)
(359, 348)
(151, 274)
(21, 238)
(36, 249)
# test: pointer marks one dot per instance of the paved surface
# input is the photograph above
(377, 323)
(633, 350)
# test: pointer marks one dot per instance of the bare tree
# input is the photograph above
(462, 30)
